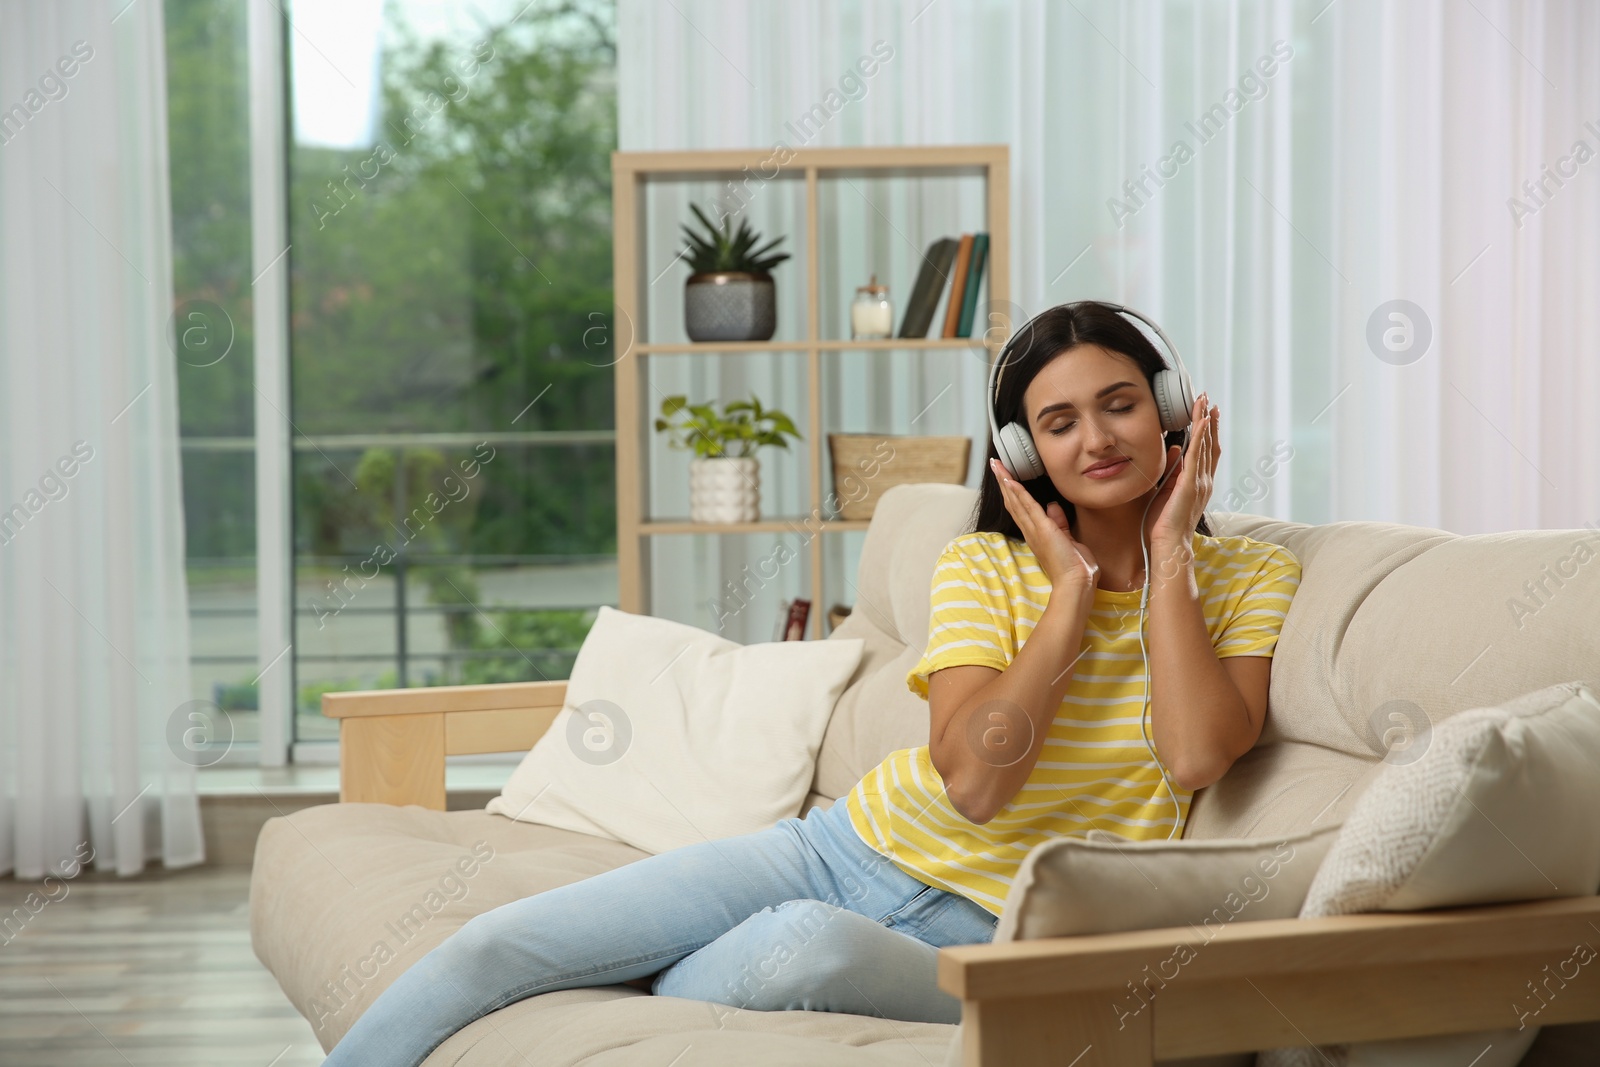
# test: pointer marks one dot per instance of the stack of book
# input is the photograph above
(793, 616)
(951, 265)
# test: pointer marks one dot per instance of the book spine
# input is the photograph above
(799, 612)
(930, 283)
(958, 277)
(969, 302)
(941, 286)
(919, 308)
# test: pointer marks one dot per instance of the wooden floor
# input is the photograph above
(154, 970)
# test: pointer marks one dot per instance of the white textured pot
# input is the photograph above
(725, 489)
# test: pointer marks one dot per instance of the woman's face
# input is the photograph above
(1092, 406)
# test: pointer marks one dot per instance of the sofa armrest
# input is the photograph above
(1165, 994)
(392, 742)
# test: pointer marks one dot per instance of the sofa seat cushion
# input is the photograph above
(345, 897)
(618, 1026)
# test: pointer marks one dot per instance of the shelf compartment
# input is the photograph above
(790, 524)
(714, 348)
(737, 347)
(902, 342)
(963, 159)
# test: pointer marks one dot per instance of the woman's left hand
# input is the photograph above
(1173, 515)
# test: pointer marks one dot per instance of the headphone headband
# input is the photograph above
(1173, 405)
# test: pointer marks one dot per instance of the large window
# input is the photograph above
(449, 262)
(208, 129)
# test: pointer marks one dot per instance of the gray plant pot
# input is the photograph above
(730, 306)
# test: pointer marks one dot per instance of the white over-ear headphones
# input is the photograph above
(1014, 444)
(1173, 392)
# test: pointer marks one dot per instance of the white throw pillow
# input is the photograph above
(671, 735)
(1482, 816)
(1105, 884)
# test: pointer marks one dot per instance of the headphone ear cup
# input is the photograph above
(1172, 404)
(1018, 453)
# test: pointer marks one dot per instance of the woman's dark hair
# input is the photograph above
(1046, 336)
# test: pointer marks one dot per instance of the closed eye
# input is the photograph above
(1064, 427)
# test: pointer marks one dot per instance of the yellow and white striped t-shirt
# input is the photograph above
(1094, 771)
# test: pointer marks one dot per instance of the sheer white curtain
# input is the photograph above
(94, 641)
(1262, 178)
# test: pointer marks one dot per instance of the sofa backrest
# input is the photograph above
(876, 713)
(1393, 620)
(1392, 629)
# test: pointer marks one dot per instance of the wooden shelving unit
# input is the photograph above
(632, 172)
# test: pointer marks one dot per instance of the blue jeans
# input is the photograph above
(801, 915)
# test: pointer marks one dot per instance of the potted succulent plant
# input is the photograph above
(730, 295)
(724, 478)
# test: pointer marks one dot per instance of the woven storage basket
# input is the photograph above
(863, 468)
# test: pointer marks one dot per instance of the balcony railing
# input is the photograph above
(402, 608)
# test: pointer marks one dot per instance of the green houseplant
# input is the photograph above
(730, 294)
(724, 476)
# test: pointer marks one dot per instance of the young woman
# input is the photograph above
(1094, 654)
(1031, 673)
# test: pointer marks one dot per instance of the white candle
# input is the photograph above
(873, 317)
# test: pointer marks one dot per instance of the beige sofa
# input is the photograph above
(344, 897)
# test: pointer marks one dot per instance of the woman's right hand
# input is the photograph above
(1068, 563)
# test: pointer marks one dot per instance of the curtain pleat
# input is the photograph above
(94, 619)
(1357, 154)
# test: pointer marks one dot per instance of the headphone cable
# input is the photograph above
(1144, 707)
